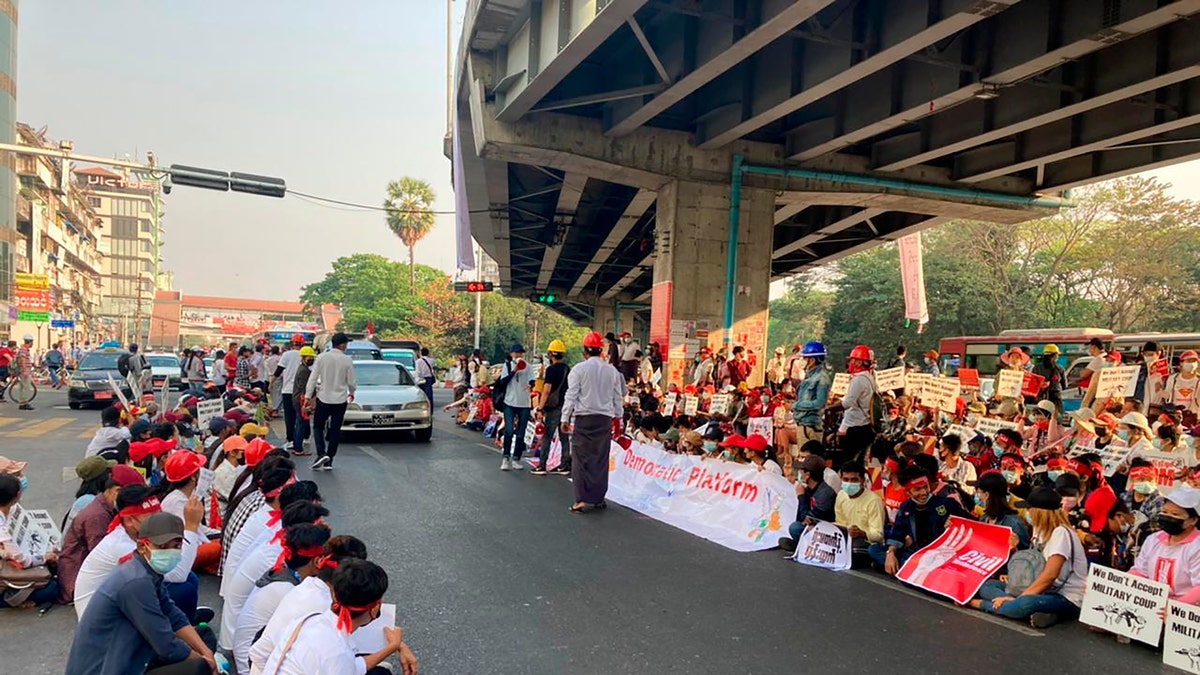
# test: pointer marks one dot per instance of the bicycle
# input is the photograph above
(21, 392)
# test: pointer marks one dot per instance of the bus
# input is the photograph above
(982, 352)
(283, 336)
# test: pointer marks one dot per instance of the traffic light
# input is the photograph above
(249, 183)
(209, 179)
(542, 298)
(473, 286)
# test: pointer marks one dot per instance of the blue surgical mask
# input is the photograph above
(710, 446)
(852, 489)
(1010, 477)
(1124, 434)
(164, 560)
(1053, 475)
(979, 501)
(24, 484)
(728, 456)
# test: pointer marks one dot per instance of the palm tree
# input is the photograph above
(409, 215)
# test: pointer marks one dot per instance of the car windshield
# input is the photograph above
(163, 361)
(100, 361)
(383, 374)
(401, 356)
(362, 353)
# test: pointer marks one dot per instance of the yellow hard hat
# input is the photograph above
(1051, 349)
(557, 346)
(308, 351)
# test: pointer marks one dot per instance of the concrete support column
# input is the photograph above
(691, 273)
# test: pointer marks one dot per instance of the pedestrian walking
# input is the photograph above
(283, 377)
(193, 368)
(54, 361)
(24, 365)
(517, 402)
(594, 399)
(426, 369)
(550, 404)
(329, 390)
(299, 385)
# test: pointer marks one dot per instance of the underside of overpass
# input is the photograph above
(578, 117)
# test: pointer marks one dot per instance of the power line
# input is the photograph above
(368, 207)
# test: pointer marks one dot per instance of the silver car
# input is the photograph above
(388, 399)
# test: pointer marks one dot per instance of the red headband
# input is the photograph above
(1142, 472)
(286, 553)
(151, 505)
(917, 482)
(327, 563)
(344, 622)
(891, 465)
(275, 493)
(273, 519)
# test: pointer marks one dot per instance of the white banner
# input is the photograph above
(824, 545)
(1124, 604)
(208, 409)
(889, 379)
(988, 426)
(841, 383)
(1008, 383)
(915, 382)
(734, 505)
(1119, 381)
(1181, 642)
(941, 393)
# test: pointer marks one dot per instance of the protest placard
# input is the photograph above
(1031, 384)
(969, 377)
(690, 404)
(825, 545)
(1124, 604)
(34, 531)
(957, 563)
(1167, 465)
(914, 382)
(1111, 456)
(841, 383)
(763, 426)
(988, 426)
(668, 404)
(370, 638)
(719, 405)
(941, 393)
(1118, 381)
(890, 379)
(1008, 383)
(208, 409)
(963, 432)
(1181, 641)
(204, 482)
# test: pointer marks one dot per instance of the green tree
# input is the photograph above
(800, 315)
(409, 215)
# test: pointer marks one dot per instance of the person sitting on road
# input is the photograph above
(920, 520)
(815, 448)
(755, 449)
(1143, 497)
(12, 485)
(302, 547)
(859, 511)
(182, 473)
(953, 467)
(815, 500)
(247, 498)
(1057, 593)
(93, 474)
(993, 505)
(320, 642)
(230, 465)
(1172, 555)
(90, 526)
(135, 503)
(219, 430)
(110, 434)
(132, 618)
(1014, 469)
(1114, 547)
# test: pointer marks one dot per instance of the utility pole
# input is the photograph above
(137, 331)
(450, 71)
(478, 296)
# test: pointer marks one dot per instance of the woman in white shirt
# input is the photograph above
(755, 448)
(12, 485)
(1058, 590)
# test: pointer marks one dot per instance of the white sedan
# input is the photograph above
(388, 399)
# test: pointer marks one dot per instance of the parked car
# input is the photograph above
(388, 399)
(164, 371)
(405, 357)
(90, 382)
(363, 349)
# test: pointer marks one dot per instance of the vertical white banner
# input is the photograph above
(912, 274)
(462, 211)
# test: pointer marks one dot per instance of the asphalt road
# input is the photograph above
(491, 573)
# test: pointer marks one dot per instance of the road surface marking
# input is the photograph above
(977, 614)
(373, 453)
(86, 434)
(44, 427)
(8, 420)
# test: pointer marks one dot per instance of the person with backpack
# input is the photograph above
(54, 361)
(856, 432)
(133, 368)
(549, 412)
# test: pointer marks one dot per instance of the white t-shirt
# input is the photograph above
(255, 524)
(771, 466)
(105, 438)
(108, 554)
(1064, 542)
(256, 612)
(312, 595)
(240, 584)
(290, 362)
(516, 395)
(257, 370)
(319, 648)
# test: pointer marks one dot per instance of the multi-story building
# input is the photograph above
(57, 233)
(8, 181)
(131, 211)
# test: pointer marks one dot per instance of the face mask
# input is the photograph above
(1157, 443)
(886, 482)
(727, 456)
(24, 484)
(1190, 366)
(1170, 524)
(852, 489)
(1069, 503)
(1144, 487)
(710, 446)
(980, 501)
(1053, 475)
(1043, 425)
(164, 560)
(1010, 477)
(1126, 526)
(1028, 518)
(1124, 434)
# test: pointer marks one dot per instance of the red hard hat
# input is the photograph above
(182, 465)
(593, 340)
(297, 339)
(862, 353)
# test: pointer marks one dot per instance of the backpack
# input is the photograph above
(500, 388)
(123, 365)
(878, 406)
(555, 400)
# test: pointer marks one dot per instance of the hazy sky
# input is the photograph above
(337, 97)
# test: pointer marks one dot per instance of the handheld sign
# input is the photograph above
(1181, 647)
(1008, 383)
(956, 564)
(668, 405)
(1119, 381)
(1031, 384)
(1111, 457)
(1124, 604)
(841, 383)
(690, 404)
(208, 409)
(988, 426)
(117, 392)
(892, 378)
(941, 393)
(915, 382)
(763, 426)
(1167, 465)
(719, 404)
(824, 545)
(969, 377)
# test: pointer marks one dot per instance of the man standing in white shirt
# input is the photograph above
(517, 404)
(425, 373)
(595, 397)
(330, 389)
(285, 375)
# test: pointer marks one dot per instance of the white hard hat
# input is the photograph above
(28, 337)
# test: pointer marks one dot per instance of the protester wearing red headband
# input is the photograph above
(303, 546)
(920, 520)
(1142, 495)
(91, 526)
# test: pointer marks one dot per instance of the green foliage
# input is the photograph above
(409, 209)
(1127, 258)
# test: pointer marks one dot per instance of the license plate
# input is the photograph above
(103, 395)
(379, 420)
(159, 383)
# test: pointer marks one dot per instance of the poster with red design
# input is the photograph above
(957, 563)
(1031, 384)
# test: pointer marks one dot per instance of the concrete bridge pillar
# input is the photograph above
(691, 273)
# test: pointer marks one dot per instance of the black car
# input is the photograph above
(89, 382)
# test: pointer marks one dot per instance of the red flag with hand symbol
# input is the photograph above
(957, 563)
